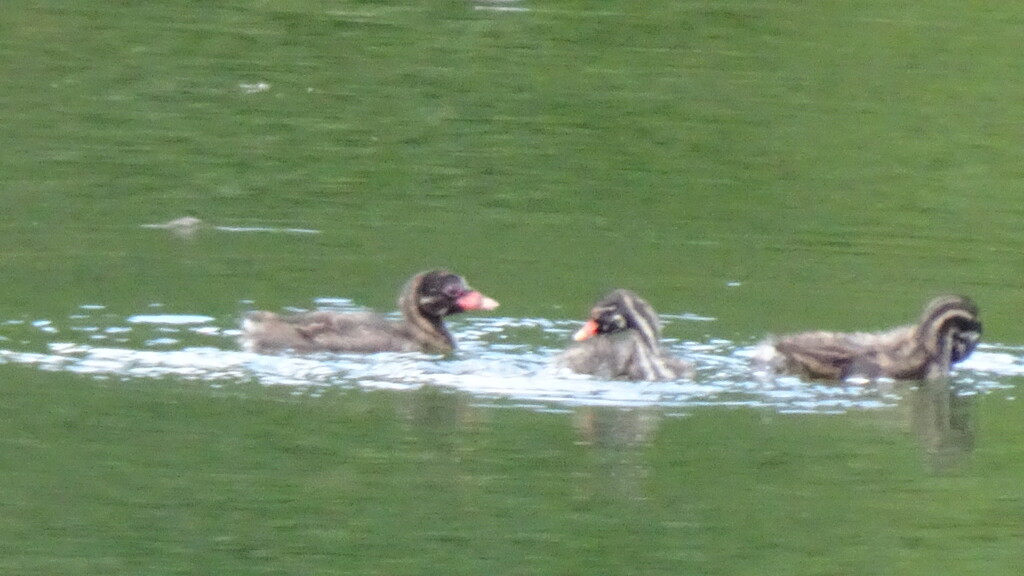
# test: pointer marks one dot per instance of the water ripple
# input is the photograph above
(500, 360)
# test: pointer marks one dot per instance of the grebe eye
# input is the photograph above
(452, 290)
(611, 321)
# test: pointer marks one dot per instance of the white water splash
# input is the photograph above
(506, 359)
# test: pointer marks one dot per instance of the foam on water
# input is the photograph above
(173, 319)
(499, 360)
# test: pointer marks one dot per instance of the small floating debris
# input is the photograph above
(184, 227)
(500, 5)
(183, 222)
(254, 88)
(501, 8)
(187, 226)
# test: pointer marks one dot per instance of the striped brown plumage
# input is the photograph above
(622, 340)
(946, 333)
(424, 302)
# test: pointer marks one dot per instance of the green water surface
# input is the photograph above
(772, 165)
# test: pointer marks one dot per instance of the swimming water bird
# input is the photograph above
(622, 340)
(947, 332)
(424, 302)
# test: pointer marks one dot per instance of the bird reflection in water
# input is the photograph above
(617, 439)
(942, 417)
